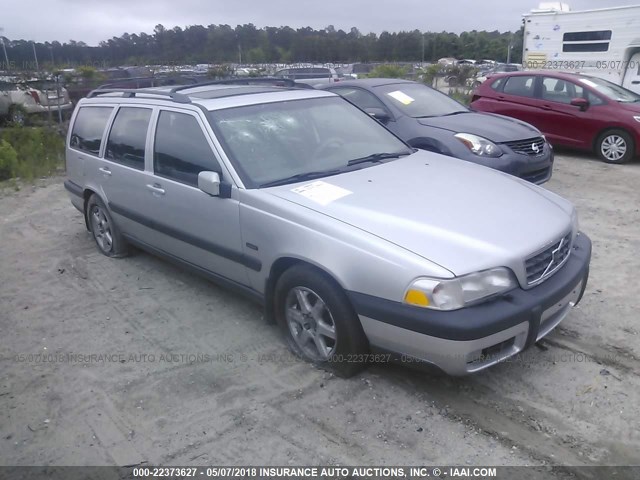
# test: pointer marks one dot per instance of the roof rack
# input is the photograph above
(131, 93)
(274, 81)
(150, 81)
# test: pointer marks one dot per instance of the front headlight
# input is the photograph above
(479, 145)
(455, 293)
(636, 118)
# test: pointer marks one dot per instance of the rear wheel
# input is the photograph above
(615, 146)
(105, 232)
(318, 322)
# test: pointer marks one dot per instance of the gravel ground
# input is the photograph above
(187, 373)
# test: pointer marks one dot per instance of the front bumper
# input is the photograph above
(535, 169)
(474, 338)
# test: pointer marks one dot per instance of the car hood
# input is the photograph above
(496, 128)
(462, 216)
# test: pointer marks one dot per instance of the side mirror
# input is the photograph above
(209, 182)
(379, 114)
(583, 103)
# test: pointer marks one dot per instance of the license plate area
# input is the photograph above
(553, 315)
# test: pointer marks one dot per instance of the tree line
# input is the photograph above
(248, 44)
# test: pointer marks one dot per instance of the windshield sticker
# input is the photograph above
(401, 97)
(321, 192)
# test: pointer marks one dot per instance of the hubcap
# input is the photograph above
(310, 323)
(614, 147)
(101, 229)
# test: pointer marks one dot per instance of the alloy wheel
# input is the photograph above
(310, 323)
(101, 229)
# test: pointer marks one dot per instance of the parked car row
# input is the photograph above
(572, 110)
(430, 120)
(354, 241)
(18, 100)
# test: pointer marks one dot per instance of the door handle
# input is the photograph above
(105, 171)
(156, 189)
(545, 107)
(635, 82)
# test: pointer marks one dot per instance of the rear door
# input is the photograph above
(121, 173)
(632, 75)
(186, 222)
(517, 98)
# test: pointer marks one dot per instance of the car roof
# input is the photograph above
(366, 83)
(549, 73)
(209, 97)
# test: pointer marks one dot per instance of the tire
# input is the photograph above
(104, 230)
(615, 146)
(309, 326)
(17, 116)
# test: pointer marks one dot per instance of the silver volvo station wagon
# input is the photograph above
(353, 241)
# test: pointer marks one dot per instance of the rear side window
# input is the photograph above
(498, 83)
(360, 98)
(181, 150)
(128, 137)
(89, 128)
(522, 86)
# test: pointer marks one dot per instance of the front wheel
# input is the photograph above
(615, 146)
(318, 321)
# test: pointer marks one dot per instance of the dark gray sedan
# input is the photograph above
(430, 120)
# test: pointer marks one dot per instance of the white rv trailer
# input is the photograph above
(604, 42)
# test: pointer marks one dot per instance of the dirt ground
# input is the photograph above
(129, 361)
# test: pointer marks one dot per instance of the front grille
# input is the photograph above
(530, 146)
(544, 264)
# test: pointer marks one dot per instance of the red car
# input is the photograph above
(570, 109)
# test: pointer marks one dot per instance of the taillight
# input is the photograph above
(35, 96)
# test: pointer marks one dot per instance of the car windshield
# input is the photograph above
(295, 140)
(419, 101)
(611, 90)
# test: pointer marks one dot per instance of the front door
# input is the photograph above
(188, 223)
(563, 123)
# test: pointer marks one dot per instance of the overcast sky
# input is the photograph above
(94, 20)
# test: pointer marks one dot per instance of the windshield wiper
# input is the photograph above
(377, 157)
(299, 177)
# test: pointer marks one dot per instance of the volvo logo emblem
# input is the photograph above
(535, 148)
(553, 259)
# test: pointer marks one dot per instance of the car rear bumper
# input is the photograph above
(39, 108)
(471, 339)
